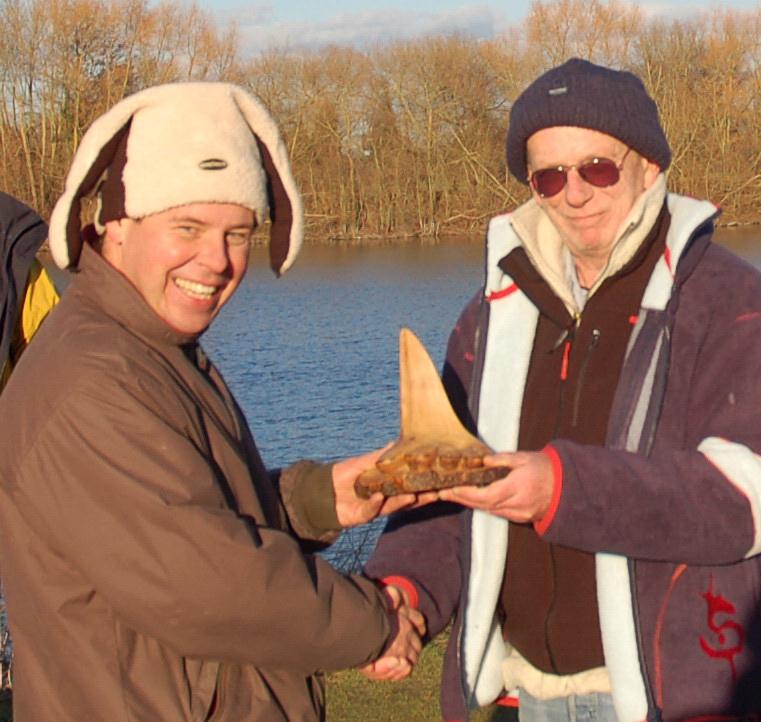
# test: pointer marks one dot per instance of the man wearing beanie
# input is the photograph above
(151, 569)
(614, 573)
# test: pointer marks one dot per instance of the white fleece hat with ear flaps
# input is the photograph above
(176, 144)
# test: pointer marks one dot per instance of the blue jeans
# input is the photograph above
(576, 708)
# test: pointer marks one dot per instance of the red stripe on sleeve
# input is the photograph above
(545, 522)
(405, 584)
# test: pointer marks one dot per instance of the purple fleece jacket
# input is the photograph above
(684, 510)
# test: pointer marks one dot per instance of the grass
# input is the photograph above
(352, 697)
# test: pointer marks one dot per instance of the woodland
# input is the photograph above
(402, 139)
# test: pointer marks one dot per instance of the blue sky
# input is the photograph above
(312, 23)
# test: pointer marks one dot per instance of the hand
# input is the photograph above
(351, 510)
(401, 656)
(524, 495)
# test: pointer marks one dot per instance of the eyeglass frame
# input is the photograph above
(578, 168)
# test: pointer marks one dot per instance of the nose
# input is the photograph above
(577, 190)
(214, 253)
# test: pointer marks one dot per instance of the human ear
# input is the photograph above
(114, 237)
(652, 171)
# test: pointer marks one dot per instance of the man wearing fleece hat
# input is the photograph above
(614, 573)
(152, 571)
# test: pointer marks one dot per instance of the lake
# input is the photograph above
(312, 357)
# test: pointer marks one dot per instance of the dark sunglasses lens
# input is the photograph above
(601, 172)
(548, 182)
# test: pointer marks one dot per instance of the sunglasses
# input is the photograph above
(599, 172)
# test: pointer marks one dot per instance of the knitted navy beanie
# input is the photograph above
(582, 94)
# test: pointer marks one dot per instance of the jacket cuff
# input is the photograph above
(542, 525)
(307, 490)
(405, 584)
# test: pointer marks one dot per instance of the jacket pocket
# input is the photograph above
(706, 642)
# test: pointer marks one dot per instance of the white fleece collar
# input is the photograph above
(548, 253)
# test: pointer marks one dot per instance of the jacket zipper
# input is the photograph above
(550, 612)
(582, 374)
(652, 703)
(565, 340)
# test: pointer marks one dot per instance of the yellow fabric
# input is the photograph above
(39, 299)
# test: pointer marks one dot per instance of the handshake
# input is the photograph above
(403, 652)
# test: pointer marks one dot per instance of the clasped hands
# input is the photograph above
(402, 654)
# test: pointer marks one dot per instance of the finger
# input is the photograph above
(418, 620)
(397, 502)
(487, 497)
(505, 458)
(412, 656)
(372, 673)
(465, 495)
(417, 645)
(372, 456)
(388, 665)
(403, 670)
(426, 497)
(394, 596)
(372, 506)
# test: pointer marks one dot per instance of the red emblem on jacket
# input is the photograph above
(730, 635)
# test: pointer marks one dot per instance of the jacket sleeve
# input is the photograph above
(135, 506)
(40, 297)
(306, 489)
(423, 547)
(697, 498)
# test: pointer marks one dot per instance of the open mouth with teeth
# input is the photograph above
(195, 289)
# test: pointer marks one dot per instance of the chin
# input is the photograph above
(191, 327)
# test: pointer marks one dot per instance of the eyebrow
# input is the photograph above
(199, 222)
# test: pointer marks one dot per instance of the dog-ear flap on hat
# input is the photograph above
(66, 245)
(93, 156)
(281, 213)
(285, 207)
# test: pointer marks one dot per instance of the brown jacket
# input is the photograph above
(149, 566)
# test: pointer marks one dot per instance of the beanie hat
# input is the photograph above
(584, 95)
(176, 144)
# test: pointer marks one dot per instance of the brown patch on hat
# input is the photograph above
(111, 191)
(97, 169)
(281, 211)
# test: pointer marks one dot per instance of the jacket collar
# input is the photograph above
(518, 265)
(113, 293)
(548, 253)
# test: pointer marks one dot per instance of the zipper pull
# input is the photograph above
(568, 333)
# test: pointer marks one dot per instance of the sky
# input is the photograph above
(315, 23)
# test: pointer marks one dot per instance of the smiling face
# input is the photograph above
(186, 262)
(587, 217)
